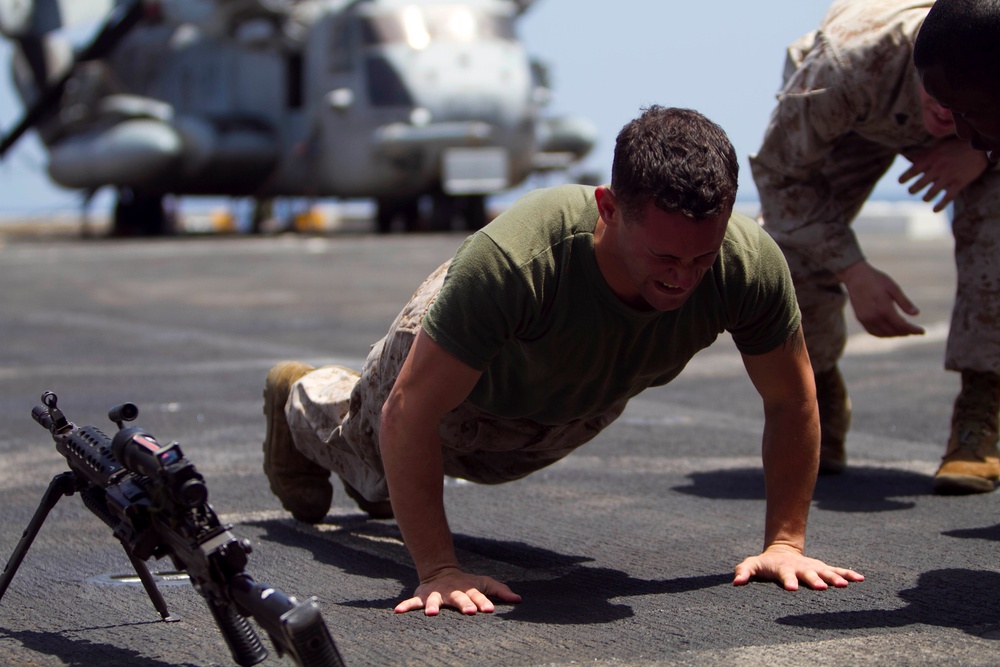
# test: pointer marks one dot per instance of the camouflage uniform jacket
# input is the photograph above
(850, 88)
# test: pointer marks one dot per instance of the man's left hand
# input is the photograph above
(945, 167)
(788, 566)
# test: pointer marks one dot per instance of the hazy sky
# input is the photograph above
(607, 60)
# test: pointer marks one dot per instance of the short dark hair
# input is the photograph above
(962, 37)
(679, 160)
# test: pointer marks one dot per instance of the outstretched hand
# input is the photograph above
(469, 593)
(945, 169)
(789, 566)
(877, 301)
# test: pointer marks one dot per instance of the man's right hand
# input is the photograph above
(877, 300)
(453, 588)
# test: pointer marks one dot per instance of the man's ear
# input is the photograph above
(607, 204)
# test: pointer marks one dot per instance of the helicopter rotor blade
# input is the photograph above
(117, 25)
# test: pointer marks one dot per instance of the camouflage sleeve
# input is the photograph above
(817, 108)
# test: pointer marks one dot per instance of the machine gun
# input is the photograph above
(155, 501)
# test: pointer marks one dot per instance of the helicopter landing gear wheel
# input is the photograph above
(449, 212)
(140, 213)
(390, 210)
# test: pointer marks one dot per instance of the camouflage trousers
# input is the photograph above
(974, 334)
(334, 414)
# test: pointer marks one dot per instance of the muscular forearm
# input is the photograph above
(431, 383)
(411, 456)
(791, 457)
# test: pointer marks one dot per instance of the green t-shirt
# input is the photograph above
(525, 302)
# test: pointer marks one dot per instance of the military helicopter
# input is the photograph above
(425, 106)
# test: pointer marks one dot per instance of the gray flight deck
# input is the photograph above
(623, 552)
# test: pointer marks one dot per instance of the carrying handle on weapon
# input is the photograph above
(121, 20)
(244, 644)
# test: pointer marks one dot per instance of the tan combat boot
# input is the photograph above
(834, 421)
(302, 485)
(971, 463)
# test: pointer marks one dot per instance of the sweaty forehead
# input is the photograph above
(674, 235)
